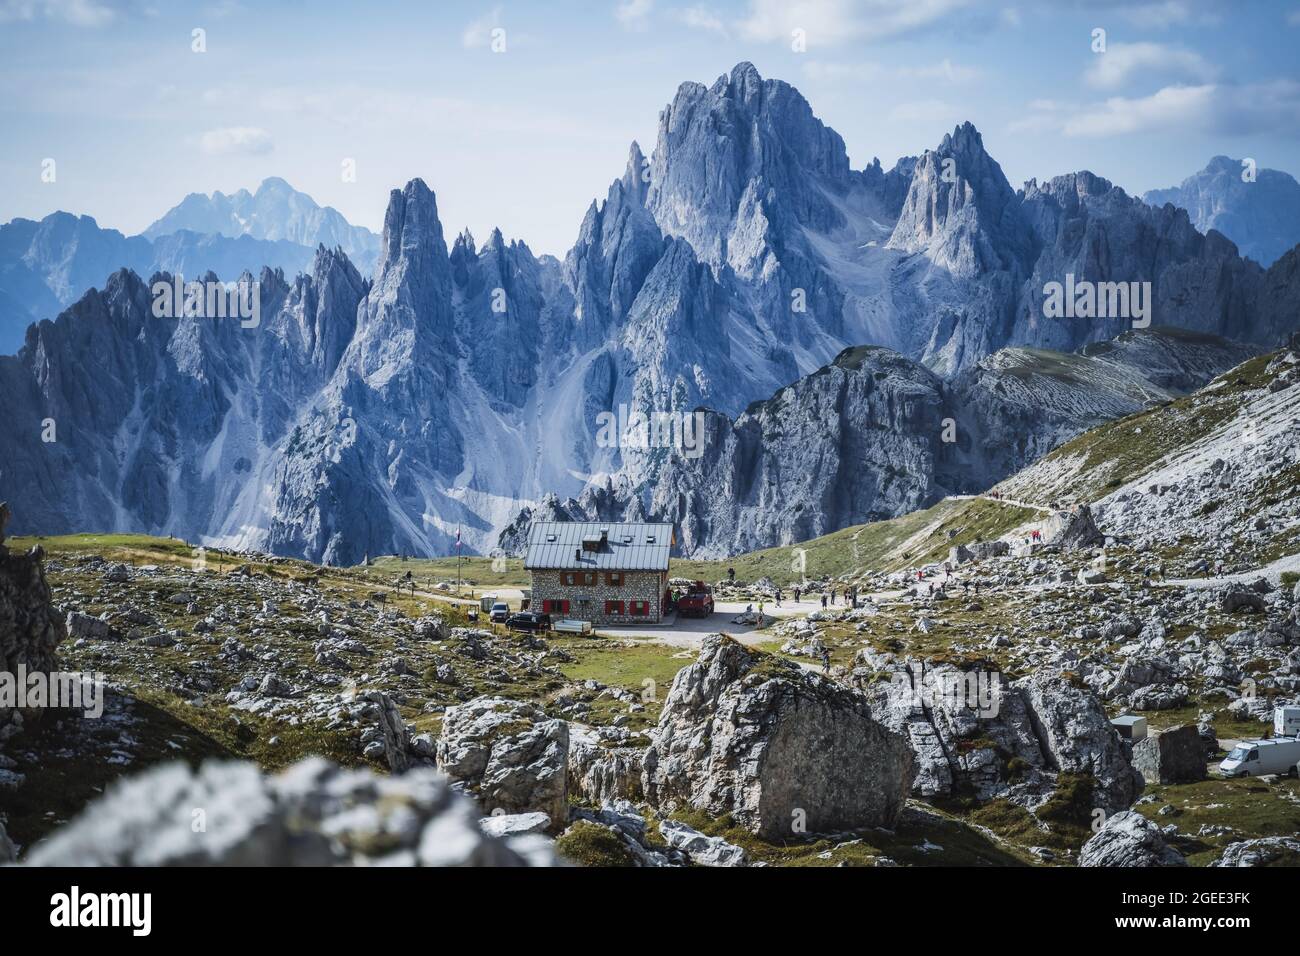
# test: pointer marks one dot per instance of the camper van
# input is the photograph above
(1286, 722)
(1254, 758)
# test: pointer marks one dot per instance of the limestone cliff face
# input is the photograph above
(463, 383)
(1261, 216)
(30, 627)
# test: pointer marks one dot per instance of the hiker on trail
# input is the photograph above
(823, 600)
(965, 587)
(796, 595)
(826, 661)
(778, 597)
(760, 613)
(731, 575)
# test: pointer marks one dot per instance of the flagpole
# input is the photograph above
(457, 560)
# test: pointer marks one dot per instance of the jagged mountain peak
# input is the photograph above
(961, 211)
(412, 229)
(1259, 212)
(636, 176)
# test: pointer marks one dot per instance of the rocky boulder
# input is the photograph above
(7, 851)
(973, 734)
(1072, 530)
(599, 773)
(703, 850)
(780, 749)
(30, 628)
(1267, 851)
(509, 754)
(394, 735)
(312, 814)
(1239, 600)
(1176, 755)
(1076, 737)
(1129, 839)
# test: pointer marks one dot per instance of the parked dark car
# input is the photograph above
(529, 621)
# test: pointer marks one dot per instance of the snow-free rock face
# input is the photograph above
(47, 266)
(782, 750)
(1266, 851)
(1000, 740)
(312, 814)
(875, 435)
(460, 385)
(30, 627)
(1129, 839)
(1175, 755)
(509, 754)
(1261, 215)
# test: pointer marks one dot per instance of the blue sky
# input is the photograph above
(524, 139)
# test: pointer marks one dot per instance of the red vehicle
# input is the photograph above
(697, 601)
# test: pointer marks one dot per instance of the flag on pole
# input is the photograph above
(458, 537)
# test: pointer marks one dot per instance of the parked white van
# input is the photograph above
(1286, 722)
(1253, 758)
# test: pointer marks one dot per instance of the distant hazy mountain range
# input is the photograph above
(1262, 216)
(863, 341)
(46, 266)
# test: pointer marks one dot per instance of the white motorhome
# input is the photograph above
(1286, 722)
(1254, 758)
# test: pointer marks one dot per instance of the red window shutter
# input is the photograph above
(613, 607)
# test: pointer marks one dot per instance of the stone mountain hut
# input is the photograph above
(601, 572)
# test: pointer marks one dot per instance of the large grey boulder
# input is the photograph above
(509, 754)
(1267, 851)
(30, 628)
(1076, 737)
(394, 734)
(1129, 839)
(599, 773)
(7, 851)
(312, 814)
(702, 849)
(1073, 530)
(782, 750)
(1176, 755)
(1008, 737)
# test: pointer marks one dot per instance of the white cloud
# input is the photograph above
(832, 22)
(1173, 106)
(1158, 15)
(236, 140)
(479, 32)
(633, 14)
(81, 13)
(1123, 62)
(945, 71)
(700, 18)
(1209, 108)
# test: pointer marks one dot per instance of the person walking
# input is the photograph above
(823, 600)
(796, 594)
(826, 661)
(778, 597)
(760, 614)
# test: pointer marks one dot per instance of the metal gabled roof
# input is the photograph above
(628, 547)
